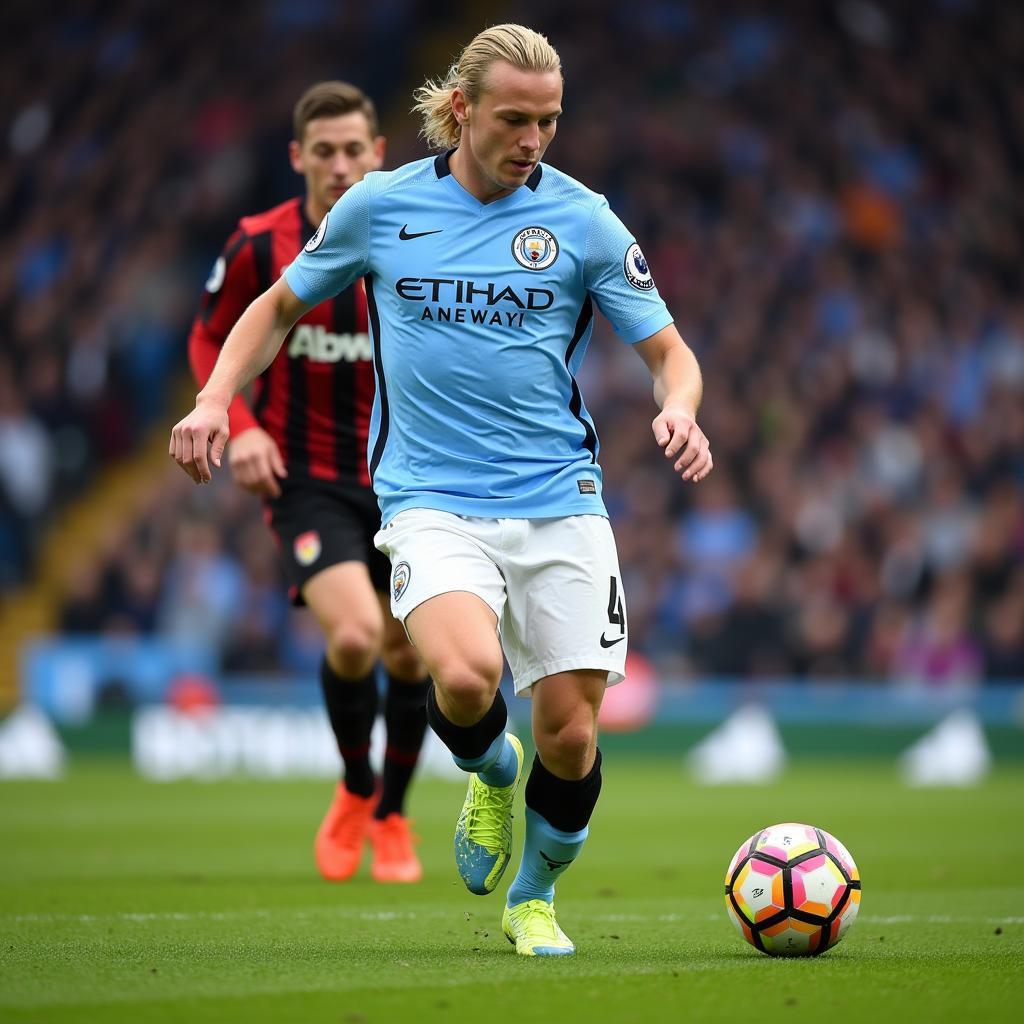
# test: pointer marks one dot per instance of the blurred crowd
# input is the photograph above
(137, 133)
(830, 196)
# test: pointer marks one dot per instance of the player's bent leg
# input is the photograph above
(405, 718)
(561, 793)
(456, 635)
(448, 590)
(344, 602)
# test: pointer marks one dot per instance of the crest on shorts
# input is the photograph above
(638, 274)
(314, 243)
(400, 577)
(535, 248)
(307, 547)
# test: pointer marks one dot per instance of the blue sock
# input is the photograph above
(497, 766)
(547, 852)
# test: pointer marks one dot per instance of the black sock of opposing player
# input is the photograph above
(352, 708)
(471, 745)
(406, 718)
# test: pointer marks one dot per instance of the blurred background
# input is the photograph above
(831, 198)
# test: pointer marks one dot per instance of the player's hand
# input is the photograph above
(206, 424)
(256, 462)
(677, 432)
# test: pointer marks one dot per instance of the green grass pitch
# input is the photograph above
(129, 901)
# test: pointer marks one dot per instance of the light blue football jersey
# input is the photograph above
(481, 315)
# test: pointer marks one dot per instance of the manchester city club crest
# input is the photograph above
(314, 243)
(400, 577)
(535, 248)
(307, 547)
(638, 274)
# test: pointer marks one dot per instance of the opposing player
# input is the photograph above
(301, 447)
(483, 267)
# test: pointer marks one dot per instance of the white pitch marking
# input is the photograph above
(410, 915)
(869, 918)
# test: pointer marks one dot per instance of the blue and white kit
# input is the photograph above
(482, 452)
(481, 315)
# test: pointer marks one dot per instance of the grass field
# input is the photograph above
(128, 901)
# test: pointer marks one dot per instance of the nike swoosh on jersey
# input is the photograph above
(404, 234)
(611, 643)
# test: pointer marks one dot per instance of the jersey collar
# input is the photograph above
(443, 171)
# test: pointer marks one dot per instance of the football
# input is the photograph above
(792, 890)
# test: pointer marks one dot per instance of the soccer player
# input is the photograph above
(301, 448)
(483, 267)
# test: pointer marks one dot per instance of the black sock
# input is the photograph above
(468, 742)
(567, 804)
(406, 718)
(352, 708)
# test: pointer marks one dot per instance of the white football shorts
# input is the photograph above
(554, 584)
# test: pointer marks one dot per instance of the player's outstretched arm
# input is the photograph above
(248, 350)
(677, 389)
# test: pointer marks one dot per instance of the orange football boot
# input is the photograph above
(339, 840)
(394, 859)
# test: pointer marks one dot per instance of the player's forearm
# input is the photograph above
(203, 352)
(678, 382)
(249, 349)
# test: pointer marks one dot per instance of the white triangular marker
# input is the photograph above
(954, 753)
(29, 746)
(746, 747)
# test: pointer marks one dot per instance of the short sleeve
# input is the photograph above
(337, 254)
(616, 274)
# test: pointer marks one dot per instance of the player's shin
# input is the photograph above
(558, 813)
(394, 855)
(547, 852)
(406, 722)
(352, 708)
(481, 747)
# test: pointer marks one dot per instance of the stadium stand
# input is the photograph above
(835, 216)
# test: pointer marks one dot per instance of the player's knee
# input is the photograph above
(469, 684)
(402, 660)
(568, 747)
(575, 742)
(353, 647)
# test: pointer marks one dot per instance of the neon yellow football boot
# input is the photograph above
(483, 833)
(532, 928)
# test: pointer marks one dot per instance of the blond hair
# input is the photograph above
(519, 46)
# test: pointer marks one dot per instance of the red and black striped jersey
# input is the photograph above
(316, 397)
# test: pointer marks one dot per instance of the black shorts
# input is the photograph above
(319, 524)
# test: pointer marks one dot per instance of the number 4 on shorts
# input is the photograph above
(616, 612)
